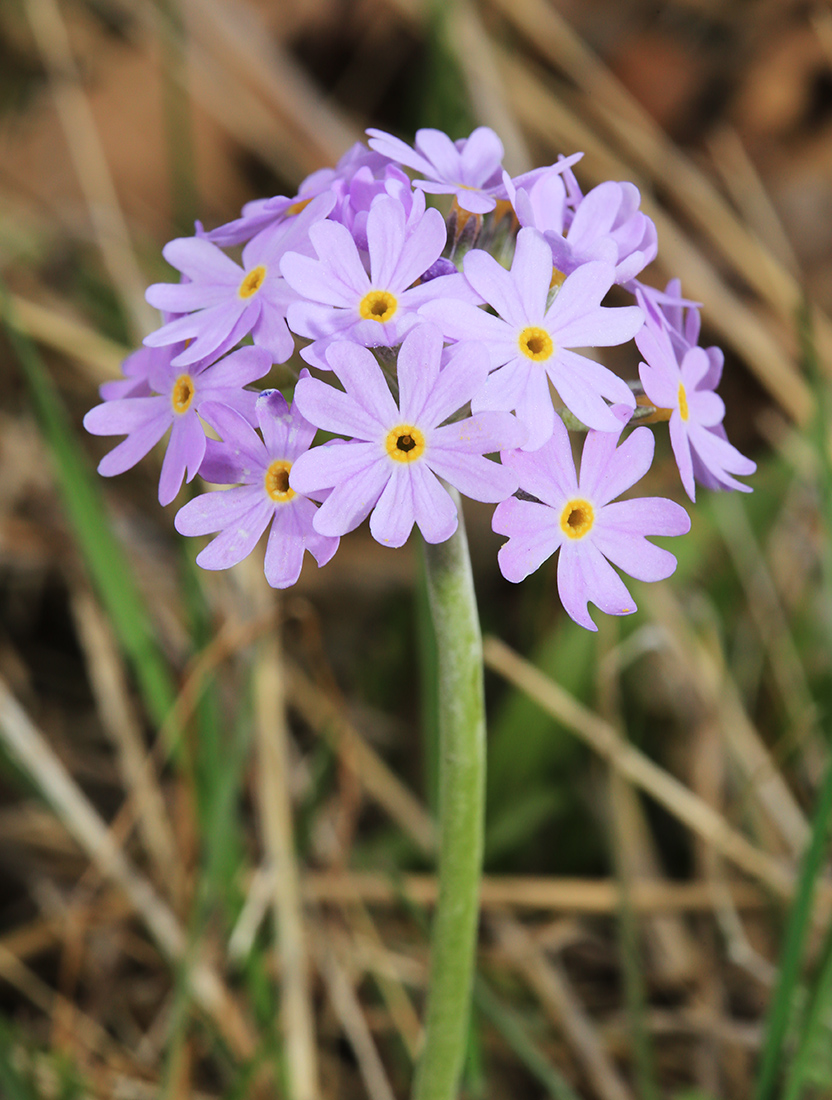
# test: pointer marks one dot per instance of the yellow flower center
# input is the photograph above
(182, 394)
(683, 403)
(577, 518)
(405, 443)
(378, 305)
(536, 343)
(252, 282)
(276, 481)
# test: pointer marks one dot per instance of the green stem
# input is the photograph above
(461, 799)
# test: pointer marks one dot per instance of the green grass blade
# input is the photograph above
(511, 1027)
(83, 501)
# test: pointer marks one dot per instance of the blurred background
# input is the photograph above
(216, 832)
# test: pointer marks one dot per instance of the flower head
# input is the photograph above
(341, 300)
(223, 302)
(469, 169)
(530, 344)
(683, 382)
(396, 453)
(580, 517)
(259, 470)
(178, 398)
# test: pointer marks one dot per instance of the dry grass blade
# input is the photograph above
(563, 1007)
(275, 811)
(377, 779)
(109, 683)
(638, 768)
(567, 895)
(711, 681)
(90, 163)
(351, 1018)
(101, 358)
(30, 750)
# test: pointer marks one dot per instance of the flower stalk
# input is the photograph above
(461, 811)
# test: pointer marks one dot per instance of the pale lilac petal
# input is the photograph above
(185, 452)
(531, 272)
(645, 516)
(364, 381)
(398, 150)
(126, 414)
(435, 510)
(499, 287)
(607, 471)
(473, 475)
(462, 321)
(417, 368)
(504, 389)
(695, 366)
(393, 516)
(285, 546)
(634, 554)
(721, 457)
(320, 322)
(185, 297)
(681, 452)
(580, 297)
(202, 262)
(549, 473)
(441, 153)
(421, 248)
(385, 238)
(134, 448)
(705, 408)
(335, 411)
(582, 385)
(596, 215)
(482, 434)
(237, 541)
(464, 373)
(534, 535)
(286, 432)
(573, 588)
(216, 511)
(661, 387)
(271, 333)
(604, 586)
(323, 282)
(325, 467)
(352, 499)
(481, 156)
(535, 410)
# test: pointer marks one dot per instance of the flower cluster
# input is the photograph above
(450, 348)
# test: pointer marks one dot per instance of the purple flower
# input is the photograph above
(259, 469)
(392, 464)
(342, 301)
(179, 398)
(358, 163)
(529, 343)
(469, 169)
(700, 446)
(232, 301)
(575, 516)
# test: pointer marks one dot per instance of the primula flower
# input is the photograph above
(259, 470)
(701, 450)
(575, 515)
(342, 301)
(232, 301)
(529, 344)
(179, 398)
(392, 464)
(469, 169)
(135, 370)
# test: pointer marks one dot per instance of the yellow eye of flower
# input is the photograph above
(182, 394)
(405, 443)
(683, 403)
(536, 343)
(577, 518)
(252, 282)
(276, 481)
(378, 305)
